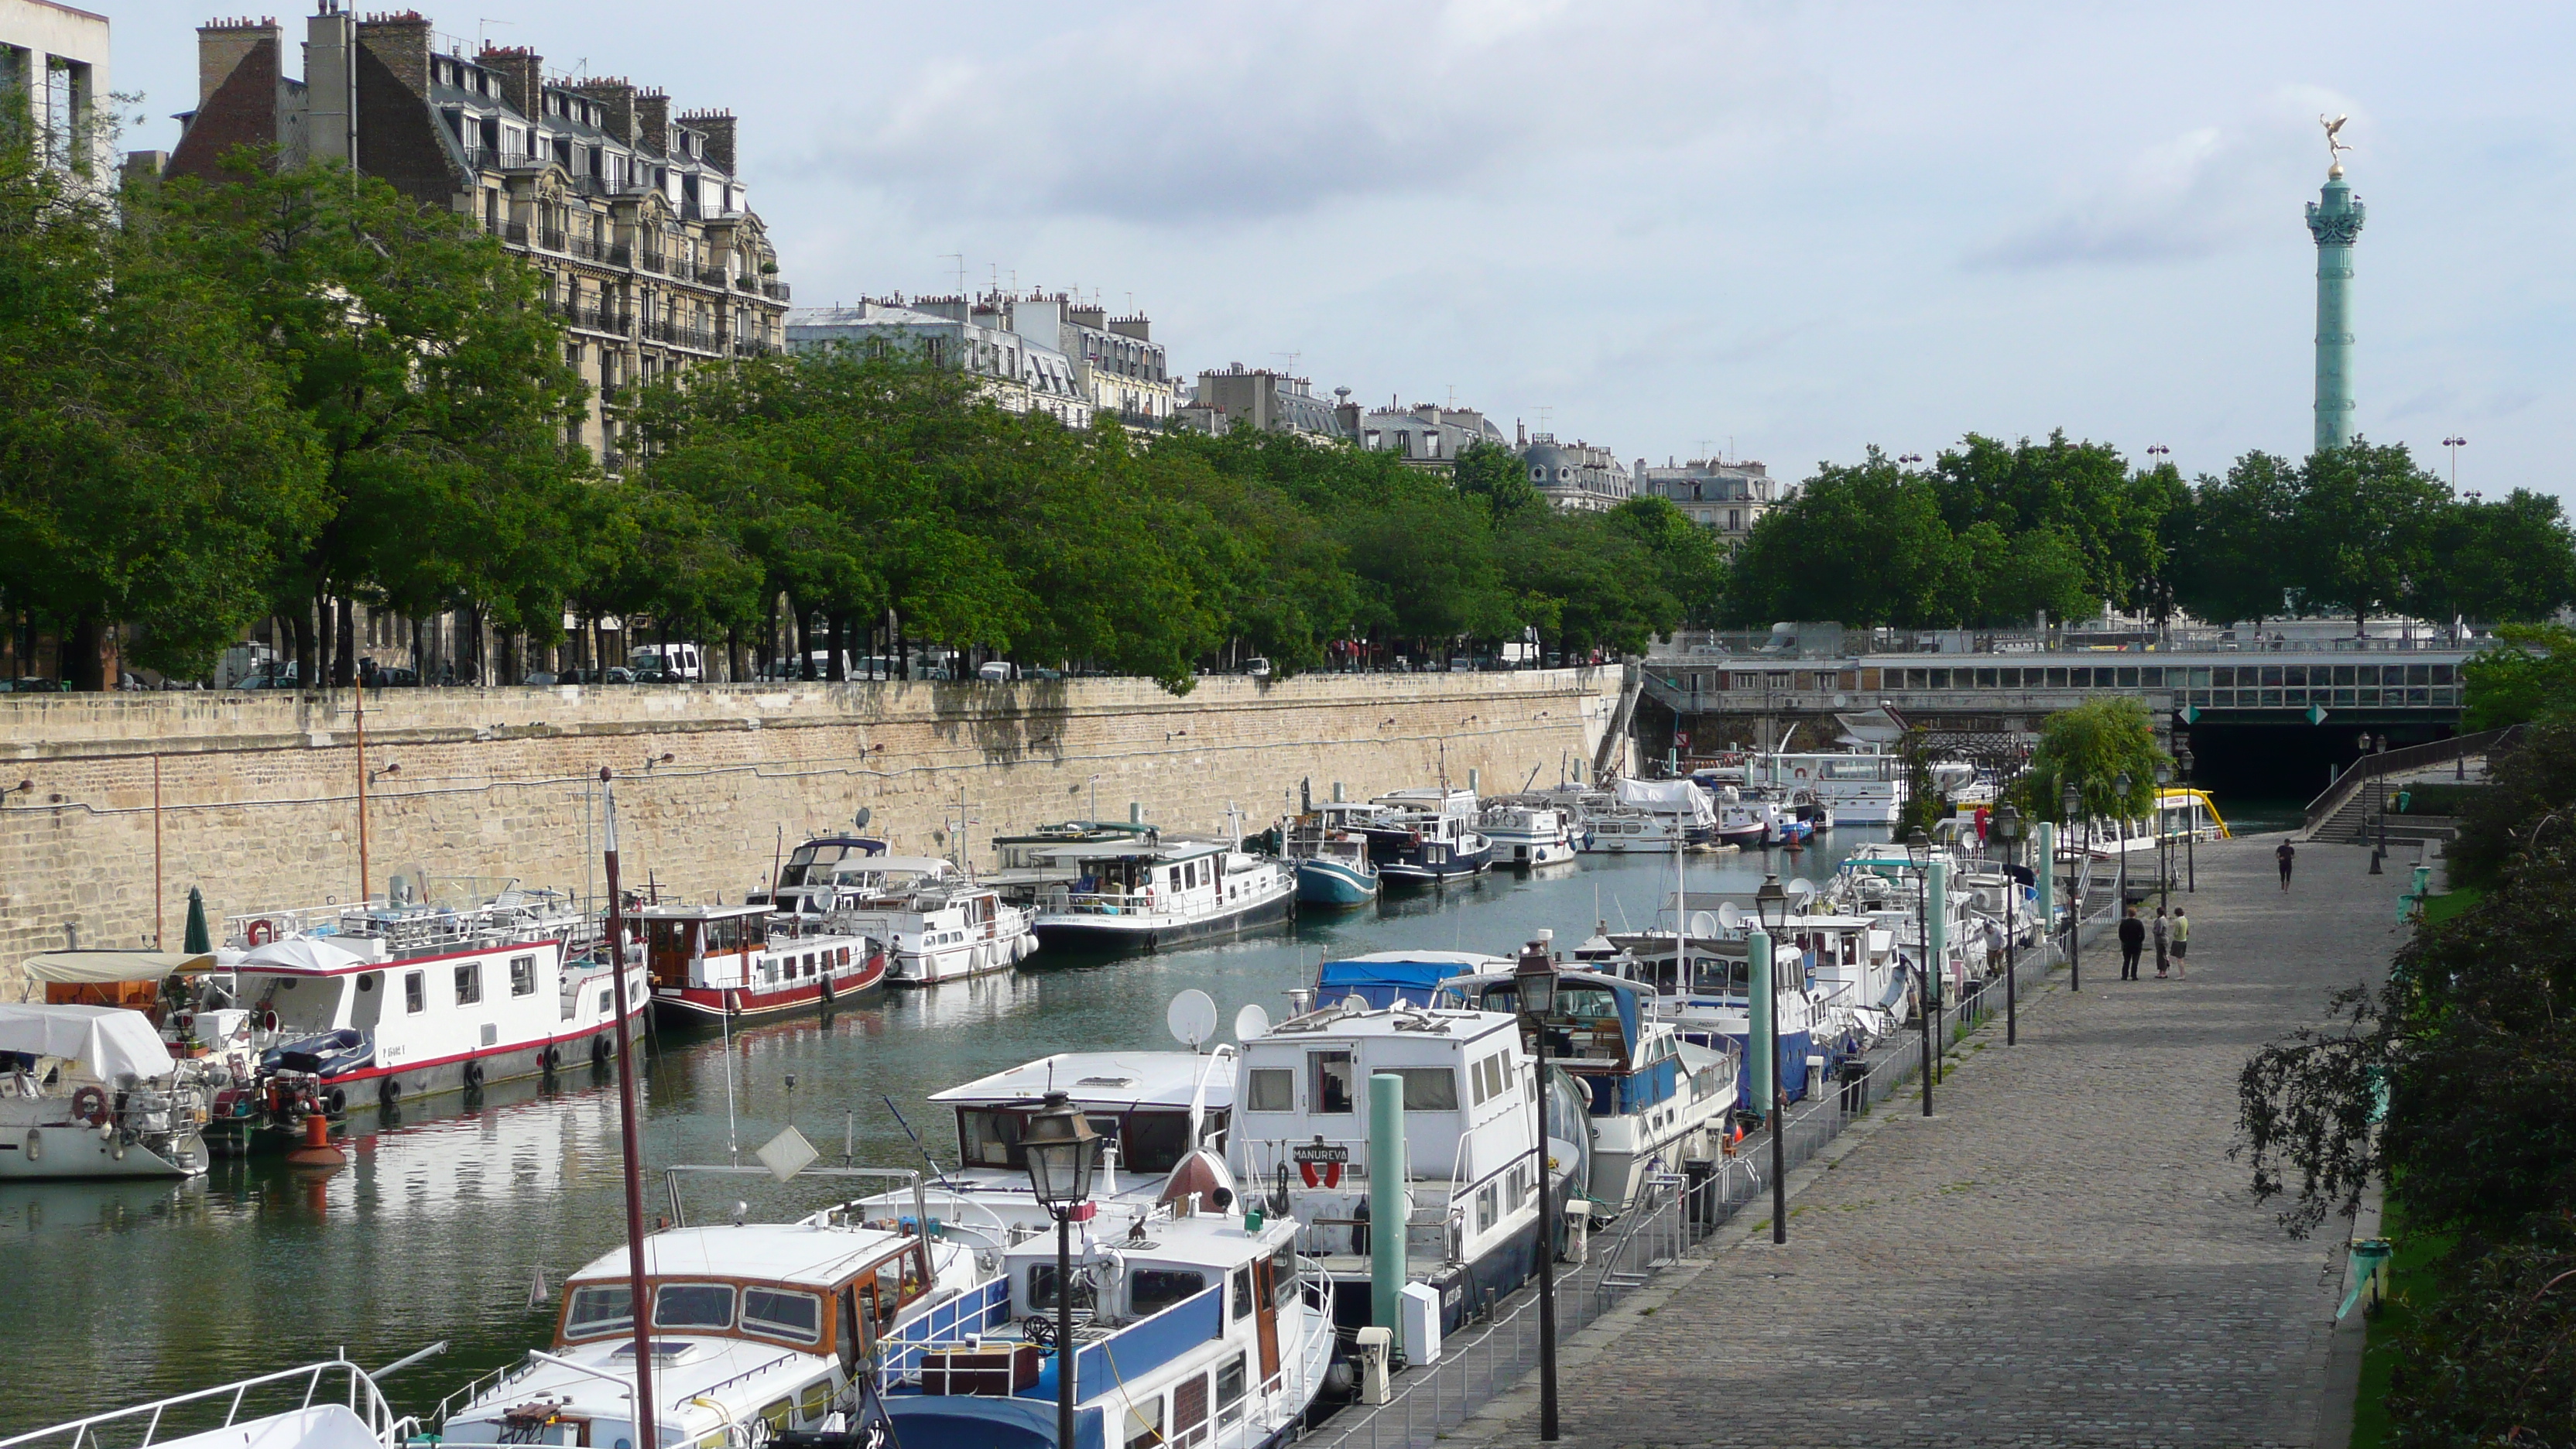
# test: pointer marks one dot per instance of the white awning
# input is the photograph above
(110, 1040)
(89, 968)
(300, 953)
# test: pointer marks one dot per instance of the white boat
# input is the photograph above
(717, 963)
(1703, 989)
(1528, 830)
(755, 1330)
(936, 921)
(406, 997)
(1477, 1204)
(1195, 1322)
(1857, 787)
(1746, 821)
(1649, 815)
(1131, 888)
(1653, 1095)
(333, 1404)
(91, 1091)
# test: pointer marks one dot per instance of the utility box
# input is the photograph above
(1418, 1314)
(1373, 1347)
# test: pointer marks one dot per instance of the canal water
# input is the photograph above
(443, 1222)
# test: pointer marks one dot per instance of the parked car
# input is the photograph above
(997, 671)
(1257, 667)
(1041, 672)
(539, 677)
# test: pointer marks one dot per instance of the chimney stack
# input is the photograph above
(717, 127)
(400, 43)
(222, 45)
(653, 120)
(522, 73)
(616, 105)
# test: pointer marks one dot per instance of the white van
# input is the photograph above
(998, 671)
(669, 661)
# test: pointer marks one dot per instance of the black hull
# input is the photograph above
(1071, 939)
(261, 1133)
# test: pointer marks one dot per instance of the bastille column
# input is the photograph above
(2334, 219)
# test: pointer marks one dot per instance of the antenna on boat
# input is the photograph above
(630, 1138)
(724, 1023)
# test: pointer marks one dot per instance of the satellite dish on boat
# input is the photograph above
(1192, 1018)
(1728, 917)
(1354, 1005)
(1801, 892)
(1251, 1022)
(1702, 924)
(865, 814)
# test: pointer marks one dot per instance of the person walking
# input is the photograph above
(2133, 940)
(2159, 929)
(2285, 855)
(2181, 944)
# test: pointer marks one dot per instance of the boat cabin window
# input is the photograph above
(1229, 1390)
(1151, 1290)
(600, 1309)
(469, 983)
(1145, 1423)
(1272, 1089)
(989, 1138)
(1429, 1089)
(415, 991)
(1242, 1291)
(1190, 1410)
(1041, 1289)
(671, 938)
(1335, 1081)
(693, 1305)
(1155, 1141)
(523, 976)
(1283, 1276)
(768, 1311)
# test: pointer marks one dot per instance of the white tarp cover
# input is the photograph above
(1669, 797)
(110, 1040)
(300, 953)
(90, 968)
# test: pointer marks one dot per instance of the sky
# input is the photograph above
(1777, 231)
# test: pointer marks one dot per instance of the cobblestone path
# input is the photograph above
(2064, 1255)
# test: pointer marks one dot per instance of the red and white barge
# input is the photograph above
(712, 963)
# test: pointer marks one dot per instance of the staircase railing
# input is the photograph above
(2389, 762)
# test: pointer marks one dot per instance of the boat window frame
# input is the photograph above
(1318, 1102)
(469, 983)
(1196, 1278)
(566, 1333)
(1447, 1075)
(1229, 1408)
(1255, 1077)
(742, 1313)
(733, 1305)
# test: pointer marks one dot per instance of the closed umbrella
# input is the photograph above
(200, 940)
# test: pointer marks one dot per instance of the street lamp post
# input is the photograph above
(2008, 825)
(2120, 788)
(2164, 860)
(1772, 903)
(2455, 444)
(1061, 1149)
(1918, 845)
(2191, 818)
(1534, 989)
(2379, 787)
(2073, 800)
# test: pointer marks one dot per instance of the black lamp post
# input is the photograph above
(2379, 787)
(1772, 903)
(2073, 801)
(2120, 788)
(1919, 846)
(1534, 988)
(2008, 826)
(1061, 1150)
(2164, 863)
(2191, 818)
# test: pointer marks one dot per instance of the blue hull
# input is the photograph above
(1794, 1050)
(1331, 883)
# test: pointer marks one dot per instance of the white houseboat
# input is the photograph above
(936, 922)
(713, 962)
(90, 1091)
(1132, 888)
(1528, 831)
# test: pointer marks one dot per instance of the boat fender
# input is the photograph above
(338, 1102)
(90, 1105)
(473, 1074)
(268, 1021)
(550, 1058)
(388, 1093)
(35, 1145)
(599, 1049)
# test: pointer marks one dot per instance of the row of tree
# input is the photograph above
(1989, 534)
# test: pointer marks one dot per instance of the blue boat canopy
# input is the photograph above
(1383, 978)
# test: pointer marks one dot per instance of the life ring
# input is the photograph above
(90, 1105)
(259, 933)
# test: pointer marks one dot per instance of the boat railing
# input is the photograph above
(1100, 903)
(983, 1307)
(348, 1386)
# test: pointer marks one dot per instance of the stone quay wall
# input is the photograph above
(253, 796)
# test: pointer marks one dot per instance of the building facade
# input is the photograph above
(1425, 435)
(636, 217)
(1727, 499)
(1576, 475)
(53, 75)
(1008, 343)
(1116, 361)
(1256, 397)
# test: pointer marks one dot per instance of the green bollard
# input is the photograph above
(1386, 1203)
(2046, 876)
(1762, 1042)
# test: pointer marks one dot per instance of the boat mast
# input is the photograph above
(647, 1422)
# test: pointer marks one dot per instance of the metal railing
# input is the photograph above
(260, 1397)
(2389, 762)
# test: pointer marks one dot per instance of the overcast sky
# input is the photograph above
(1785, 230)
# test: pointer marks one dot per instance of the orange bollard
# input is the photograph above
(318, 1149)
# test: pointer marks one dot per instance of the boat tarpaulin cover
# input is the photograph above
(1669, 797)
(110, 1040)
(91, 968)
(1385, 979)
(301, 953)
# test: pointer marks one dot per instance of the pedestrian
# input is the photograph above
(2181, 943)
(2285, 855)
(2133, 941)
(2159, 930)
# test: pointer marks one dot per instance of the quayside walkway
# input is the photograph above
(2065, 1254)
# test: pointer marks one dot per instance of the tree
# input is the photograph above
(2364, 524)
(2503, 562)
(1489, 471)
(2093, 745)
(2530, 671)
(2083, 492)
(1863, 544)
(419, 352)
(150, 464)
(2232, 554)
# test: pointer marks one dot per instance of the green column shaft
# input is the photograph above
(2334, 220)
(1763, 1041)
(2045, 869)
(1386, 1202)
(1936, 924)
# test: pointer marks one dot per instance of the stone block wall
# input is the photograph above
(257, 791)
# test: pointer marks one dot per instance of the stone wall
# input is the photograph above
(257, 791)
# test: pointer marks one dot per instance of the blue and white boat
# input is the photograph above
(1703, 987)
(1331, 855)
(1426, 836)
(1380, 979)
(1528, 831)
(1652, 1095)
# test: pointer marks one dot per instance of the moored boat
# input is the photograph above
(710, 963)
(1528, 831)
(1428, 835)
(90, 1091)
(1095, 889)
(1331, 855)
(935, 921)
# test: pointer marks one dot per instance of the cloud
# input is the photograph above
(1230, 113)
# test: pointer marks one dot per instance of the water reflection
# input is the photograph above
(441, 1216)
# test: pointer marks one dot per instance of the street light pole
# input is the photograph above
(1919, 846)
(1534, 992)
(2164, 856)
(2074, 801)
(2008, 825)
(1773, 905)
(2191, 817)
(1061, 1150)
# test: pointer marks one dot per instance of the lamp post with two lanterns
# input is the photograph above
(1534, 991)
(2008, 826)
(1062, 1150)
(1772, 904)
(2073, 801)
(2191, 816)
(1918, 845)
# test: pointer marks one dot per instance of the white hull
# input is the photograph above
(71, 1150)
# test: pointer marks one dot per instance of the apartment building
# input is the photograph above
(1425, 435)
(53, 77)
(1009, 343)
(1576, 475)
(636, 216)
(1256, 397)
(1725, 498)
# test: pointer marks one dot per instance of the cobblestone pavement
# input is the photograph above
(2064, 1255)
